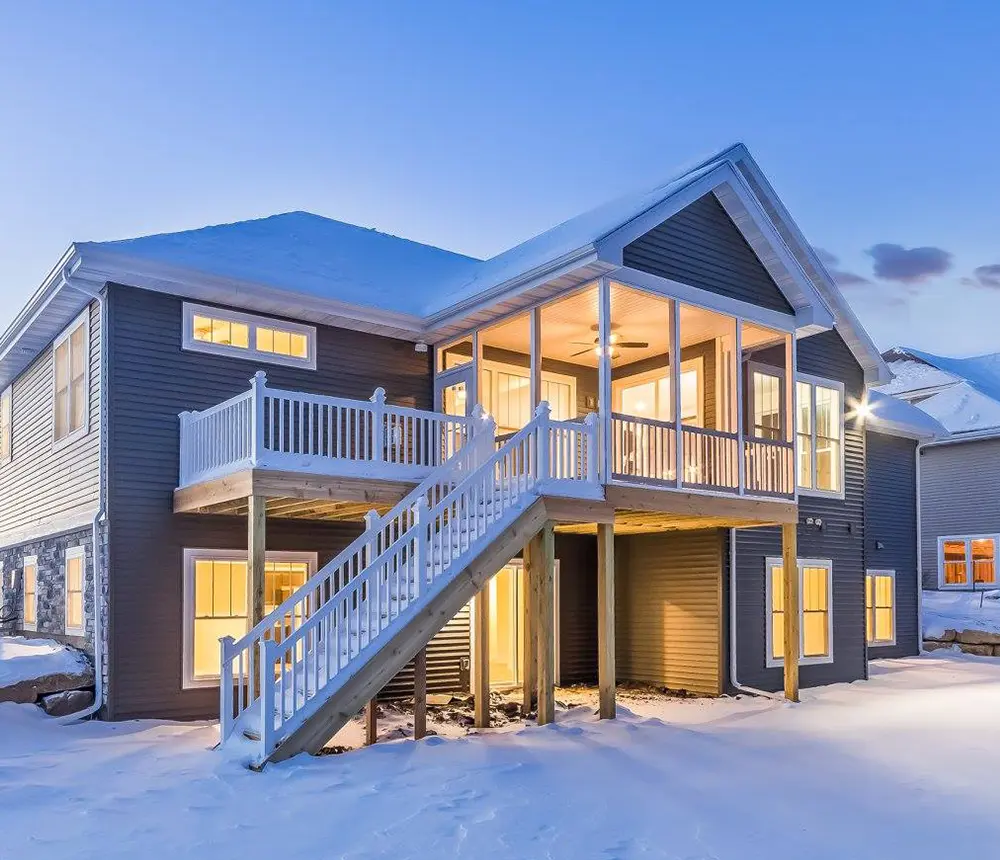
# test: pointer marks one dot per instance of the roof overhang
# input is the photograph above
(895, 417)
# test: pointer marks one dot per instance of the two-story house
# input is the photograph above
(637, 446)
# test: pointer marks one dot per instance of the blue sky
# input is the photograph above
(475, 125)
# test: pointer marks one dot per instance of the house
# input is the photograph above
(960, 471)
(370, 466)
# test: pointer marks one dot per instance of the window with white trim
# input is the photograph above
(967, 561)
(70, 393)
(815, 611)
(29, 593)
(819, 436)
(75, 561)
(216, 601)
(880, 607)
(226, 332)
(6, 426)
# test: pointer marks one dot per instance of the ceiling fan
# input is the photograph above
(615, 342)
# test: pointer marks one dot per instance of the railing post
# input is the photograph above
(590, 449)
(542, 440)
(258, 386)
(185, 445)
(419, 543)
(267, 684)
(378, 425)
(226, 688)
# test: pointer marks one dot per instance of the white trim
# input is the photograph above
(188, 681)
(82, 320)
(72, 553)
(29, 561)
(771, 562)
(813, 381)
(252, 321)
(48, 528)
(970, 582)
(881, 643)
(7, 416)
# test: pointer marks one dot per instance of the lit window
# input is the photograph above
(226, 332)
(815, 613)
(6, 422)
(217, 600)
(74, 590)
(29, 593)
(819, 437)
(505, 392)
(967, 561)
(880, 607)
(648, 395)
(767, 392)
(71, 366)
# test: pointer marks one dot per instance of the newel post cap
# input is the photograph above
(543, 410)
(378, 396)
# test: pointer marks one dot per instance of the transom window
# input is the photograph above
(6, 423)
(75, 558)
(815, 611)
(226, 332)
(880, 607)
(70, 392)
(967, 561)
(819, 437)
(29, 593)
(216, 599)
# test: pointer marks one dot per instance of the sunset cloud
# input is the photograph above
(908, 265)
(842, 277)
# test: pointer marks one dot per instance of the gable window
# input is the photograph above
(225, 332)
(29, 593)
(71, 361)
(6, 424)
(967, 561)
(819, 436)
(75, 559)
(880, 607)
(216, 601)
(815, 611)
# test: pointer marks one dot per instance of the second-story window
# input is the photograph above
(819, 436)
(71, 366)
(240, 335)
(6, 424)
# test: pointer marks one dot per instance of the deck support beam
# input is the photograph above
(790, 587)
(529, 637)
(371, 723)
(256, 554)
(544, 622)
(481, 655)
(420, 694)
(606, 620)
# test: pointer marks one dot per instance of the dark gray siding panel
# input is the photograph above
(702, 247)
(891, 532)
(447, 662)
(152, 380)
(840, 539)
(577, 556)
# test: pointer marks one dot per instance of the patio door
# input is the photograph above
(453, 391)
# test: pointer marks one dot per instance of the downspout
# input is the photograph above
(733, 679)
(920, 568)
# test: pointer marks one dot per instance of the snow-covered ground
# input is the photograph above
(960, 610)
(903, 765)
(25, 659)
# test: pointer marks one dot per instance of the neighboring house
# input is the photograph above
(959, 472)
(706, 389)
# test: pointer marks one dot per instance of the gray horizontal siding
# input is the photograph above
(959, 495)
(701, 246)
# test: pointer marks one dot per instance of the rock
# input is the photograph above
(978, 637)
(511, 709)
(439, 698)
(932, 645)
(28, 692)
(947, 636)
(978, 650)
(67, 702)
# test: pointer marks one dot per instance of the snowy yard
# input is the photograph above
(904, 765)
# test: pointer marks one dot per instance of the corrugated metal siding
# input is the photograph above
(669, 610)
(44, 485)
(891, 520)
(959, 495)
(841, 540)
(702, 247)
(152, 380)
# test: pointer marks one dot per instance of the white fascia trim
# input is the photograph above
(41, 298)
(968, 436)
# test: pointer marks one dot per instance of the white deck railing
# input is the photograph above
(272, 428)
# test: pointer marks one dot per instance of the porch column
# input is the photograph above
(544, 622)
(535, 335)
(481, 655)
(604, 373)
(606, 619)
(371, 723)
(256, 548)
(790, 586)
(674, 313)
(529, 638)
(420, 694)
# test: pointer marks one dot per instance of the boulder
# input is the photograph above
(978, 637)
(946, 636)
(67, 702)
(978, 650)
(933, 645)
(27, 692)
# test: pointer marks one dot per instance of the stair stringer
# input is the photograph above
(386, 662)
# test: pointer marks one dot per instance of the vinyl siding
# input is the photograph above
(959, 495)
(577, 556)
(701, 246)
(668, 610)
(45, 487)
(447, 661)
(891, 523)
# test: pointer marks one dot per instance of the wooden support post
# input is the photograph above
(420, 694)
(529, 639)
(606, 620)
(546, 633)
(371, 723)
(790, 586)
(256, 554)
(481, 658)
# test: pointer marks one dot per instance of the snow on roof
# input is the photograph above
(912, 375)
(892, 415)
(309, 254)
